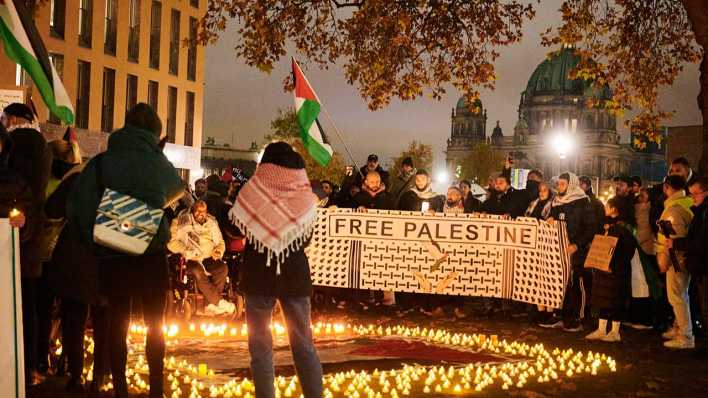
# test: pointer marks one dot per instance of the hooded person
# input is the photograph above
(276, 210)
(134, 165)
(372, 165)
(540, 208)
(420, 197)
(598, 207)
(472, 204)
(572, 206)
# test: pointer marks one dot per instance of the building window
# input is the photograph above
(57, 18)
(131, 92)
(58, 62)
(134, 31)
(108, 101)
(174, 43)
(155, 28)
(171, 114)
(153, 94)
(189, 120)
(110, 27)
(194, 3)
(83, 91)
(192, 50)
(85, 22)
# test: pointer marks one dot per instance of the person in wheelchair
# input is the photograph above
(196, 236)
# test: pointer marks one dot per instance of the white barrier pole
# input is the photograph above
(12, 366)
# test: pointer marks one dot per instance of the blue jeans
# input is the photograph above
(260, 344)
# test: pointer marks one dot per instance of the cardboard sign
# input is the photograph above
(454, 254)
(601, 251)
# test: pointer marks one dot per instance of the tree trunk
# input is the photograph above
(697, 11)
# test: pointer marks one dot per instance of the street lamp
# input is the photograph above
(562, 143)
(442, 177)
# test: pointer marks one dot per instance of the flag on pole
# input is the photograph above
(24, 46)
(307, 109)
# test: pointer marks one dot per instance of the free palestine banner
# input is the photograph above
(462, 254)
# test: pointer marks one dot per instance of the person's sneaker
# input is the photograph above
(598, 334)
(612, 337)
(552, 323)
(670, 334)
(573, 326)
(681, 343)
(212, 309)
(227, 307)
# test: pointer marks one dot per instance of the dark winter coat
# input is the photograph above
(359, 177)
(694, 244)
(400, 185)
(511, 202)
(580, 224)
(472, 204)
(15, 192)
(134, 165)
(412, 202)
(32, 160)
(382, 200)
(598, 210)
(537, 211)
(258, 279)
(611, 291)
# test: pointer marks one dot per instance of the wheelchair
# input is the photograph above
(186, 301)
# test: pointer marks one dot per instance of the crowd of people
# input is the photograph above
(657, 278)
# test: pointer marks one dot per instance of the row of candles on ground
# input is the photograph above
(225, 330)
(530, 363)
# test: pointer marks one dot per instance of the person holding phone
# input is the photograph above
(677, 211)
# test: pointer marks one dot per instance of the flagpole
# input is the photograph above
(336, 130)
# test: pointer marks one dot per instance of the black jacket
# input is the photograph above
(511, 202)
(611, 291)
(472, 204)
(359, 177)
(598, 210)
(32, 159)
(261, 280)
(580, 224)
(412, 202)
(694, 244)
(381, 201)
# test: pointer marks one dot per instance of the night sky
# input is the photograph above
(241, 101)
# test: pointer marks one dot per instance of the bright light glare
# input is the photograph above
(562, 143)
(442, 177)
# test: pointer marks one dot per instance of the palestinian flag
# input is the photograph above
(307, 109)
(23, 45)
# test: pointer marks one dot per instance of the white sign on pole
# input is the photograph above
(8, 97)
(12, 374)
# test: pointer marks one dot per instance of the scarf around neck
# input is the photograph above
(425, 194)
(276, 210)
(573, 193)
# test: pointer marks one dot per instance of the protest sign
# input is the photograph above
(601, 251)
(11, 345)
(460, 254)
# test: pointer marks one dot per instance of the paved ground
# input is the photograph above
(644, 367)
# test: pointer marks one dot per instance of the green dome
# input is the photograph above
(463, 108)
(551, 78)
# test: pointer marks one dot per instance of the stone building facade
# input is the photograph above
(555, 108)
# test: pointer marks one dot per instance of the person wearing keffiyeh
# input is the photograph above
(572, 206)
(276, 211)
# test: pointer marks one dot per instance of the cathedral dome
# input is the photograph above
(551, 78)
(463, 108)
